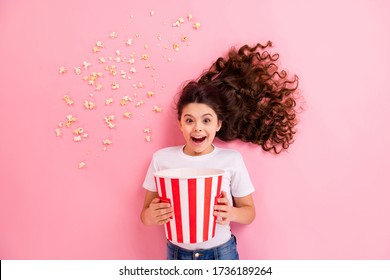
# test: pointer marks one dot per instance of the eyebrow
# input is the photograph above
(207, 114)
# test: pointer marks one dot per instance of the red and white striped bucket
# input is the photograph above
(192, 193)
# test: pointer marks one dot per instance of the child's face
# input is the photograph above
(199, 124)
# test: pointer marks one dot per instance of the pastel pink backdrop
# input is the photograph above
(327, 198)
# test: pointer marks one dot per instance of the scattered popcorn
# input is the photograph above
(157, 109)
(62, 70)
(112, 64)
(68, 100)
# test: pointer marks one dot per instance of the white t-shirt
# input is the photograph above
(235, 182)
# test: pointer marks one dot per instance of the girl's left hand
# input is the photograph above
(223, 210)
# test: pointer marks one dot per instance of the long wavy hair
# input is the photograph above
(255, 101)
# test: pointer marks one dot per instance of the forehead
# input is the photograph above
(198, 110)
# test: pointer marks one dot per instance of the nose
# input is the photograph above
(198, 126)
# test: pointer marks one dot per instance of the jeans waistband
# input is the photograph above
(226, 250)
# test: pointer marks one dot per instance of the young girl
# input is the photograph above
(243, 96)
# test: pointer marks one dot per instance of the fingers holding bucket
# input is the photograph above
(161, 211)
(223, 209)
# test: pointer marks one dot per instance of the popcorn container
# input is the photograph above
(192, 192)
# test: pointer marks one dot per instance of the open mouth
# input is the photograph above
(198, 139)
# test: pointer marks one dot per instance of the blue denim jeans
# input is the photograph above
(226, 251)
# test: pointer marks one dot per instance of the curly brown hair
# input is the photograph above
(253, 98)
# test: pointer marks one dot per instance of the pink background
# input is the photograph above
(327, 198)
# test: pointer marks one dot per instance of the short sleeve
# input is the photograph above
(241, 184)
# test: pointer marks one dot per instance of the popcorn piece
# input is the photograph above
(123, 74)
(196, 25)
(148, 138)
(147, 130)
(62, 70)
(77, 138)
(86, 65)
(95, 49)
(102, 60)
(144, 57)
(114, 85)
(99, 44)
(189, 17)
(129, 42)
(107, 142)
(157, 109)
(184, 38)
(69, 120)
(99, 87)
(125, 100)
(133, 70)
(113, 35)
(109, 101)
(139, 103)
(89, 105)
(82, 165)
(78, 131)
(68, 100)
(127, 115)
(77, 70)
(150, 93)
(175, 46)
(58, 132)
(109, 121)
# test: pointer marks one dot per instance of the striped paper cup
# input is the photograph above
(192, 192)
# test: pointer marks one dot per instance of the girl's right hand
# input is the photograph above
(158, 212)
